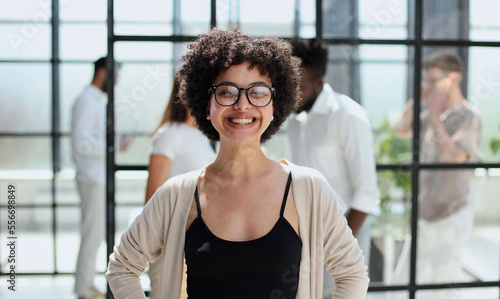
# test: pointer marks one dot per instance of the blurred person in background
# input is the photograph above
(450, 133)
(88, 142)
(331, 133)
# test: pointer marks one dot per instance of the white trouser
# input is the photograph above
(440, 248)
(93, 207)
(364, 241)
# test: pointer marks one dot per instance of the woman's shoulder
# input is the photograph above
(183, 180)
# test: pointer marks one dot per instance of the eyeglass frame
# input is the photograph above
(272, 89)
(433, 82)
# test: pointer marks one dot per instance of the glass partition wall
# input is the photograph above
(375, 50)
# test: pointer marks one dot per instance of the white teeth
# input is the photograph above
(241, 121)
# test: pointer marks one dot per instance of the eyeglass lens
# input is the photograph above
(257, 95)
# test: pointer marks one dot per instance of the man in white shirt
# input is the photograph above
(88, 143)
(332, 134)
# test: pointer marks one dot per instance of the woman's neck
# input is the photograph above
(241, 161)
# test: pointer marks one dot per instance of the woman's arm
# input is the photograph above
(343, 257)
(159, 167)
(140, 244)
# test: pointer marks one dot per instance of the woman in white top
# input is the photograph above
(178, 147)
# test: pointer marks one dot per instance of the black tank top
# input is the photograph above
(267, 267)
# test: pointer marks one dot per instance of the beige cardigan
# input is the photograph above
(161, 228)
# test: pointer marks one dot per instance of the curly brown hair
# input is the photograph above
(213, 53)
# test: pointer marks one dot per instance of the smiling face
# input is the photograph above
(241, 122)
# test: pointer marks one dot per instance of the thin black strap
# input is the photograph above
(286, 194)
(197, 201)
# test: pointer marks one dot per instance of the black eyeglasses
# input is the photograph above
(228, 95)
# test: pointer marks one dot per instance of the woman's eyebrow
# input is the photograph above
(256, 83)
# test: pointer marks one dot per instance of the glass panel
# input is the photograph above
(137, 153)
(32, 187)
(391, 229)
(147, 51)
(445, 20)
(343, 70)
(26, 96)
(383, 19)
(33, 230)
(483, 82)
(68, 238)
(49, 286)
(83, 41)
(139, 28)
(22, 10)
(131, 187)
(388, 295)
(459, 293)
(68, 241)
(484, 22)
(83, 10)
(482, 250)
(340, 19)
(384, 91)
(30, 40)
(256, 21)
(74, 78)
(148, 10)
(195, 21)
(141, 94)
(66, 191)
(451, 19)
(66, 166)
(459, 229)
(29, 154)
(68, 230)
(144, 87)
(307, 18)
(151, 17)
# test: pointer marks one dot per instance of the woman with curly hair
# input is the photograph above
(244, 229)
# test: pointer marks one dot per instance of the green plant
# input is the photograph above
(390, 149)
(495, 143)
